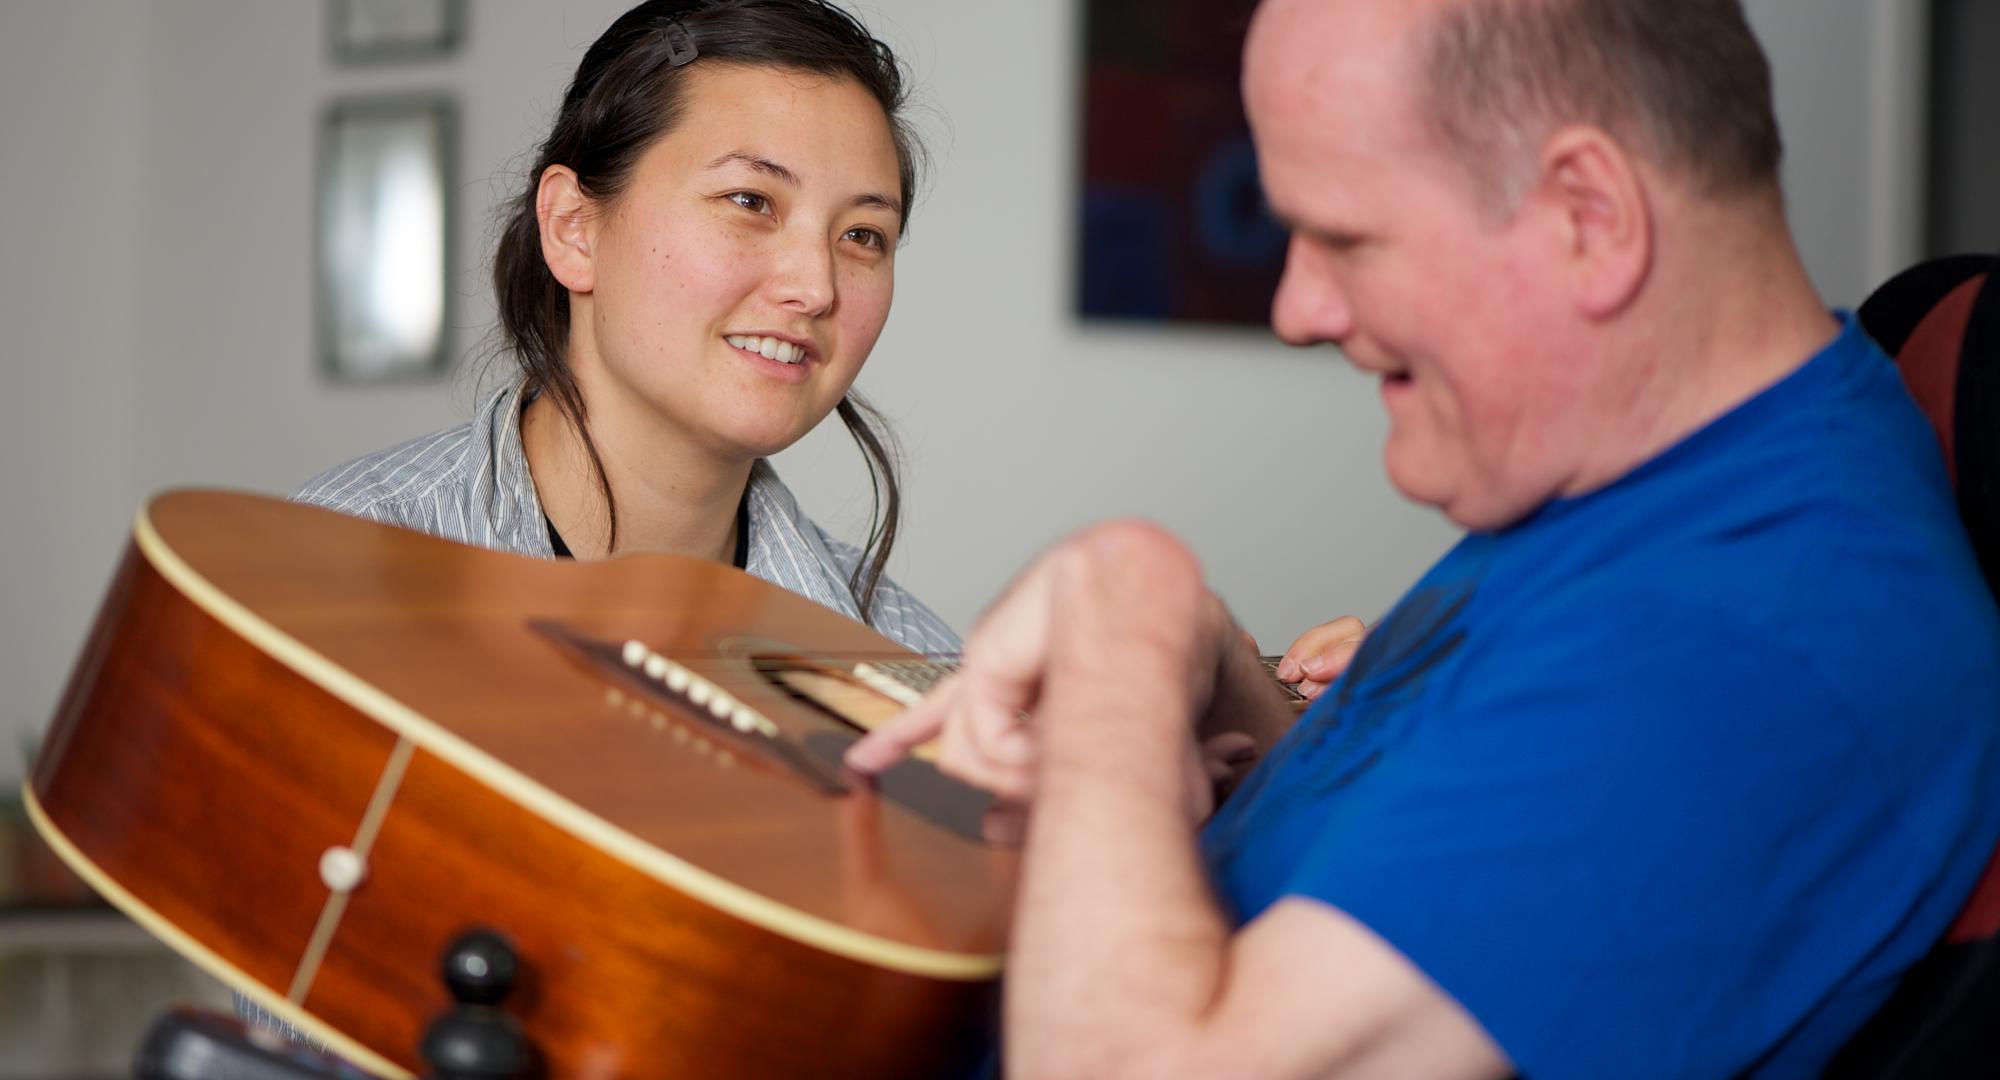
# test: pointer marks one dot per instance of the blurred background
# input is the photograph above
(157, 299)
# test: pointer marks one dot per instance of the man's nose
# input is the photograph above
(1310, 306)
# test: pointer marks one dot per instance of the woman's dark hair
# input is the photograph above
(625, 97)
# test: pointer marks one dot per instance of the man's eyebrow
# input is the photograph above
(761, 164)
(1331, 236)
(1289, 223)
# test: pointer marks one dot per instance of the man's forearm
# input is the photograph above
(1118, 943)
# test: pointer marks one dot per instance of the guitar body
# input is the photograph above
(267, 683)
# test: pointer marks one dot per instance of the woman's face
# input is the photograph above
(741, 278)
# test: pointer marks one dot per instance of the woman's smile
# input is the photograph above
(771, 347)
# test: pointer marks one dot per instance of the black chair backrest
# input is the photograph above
(1941, 322)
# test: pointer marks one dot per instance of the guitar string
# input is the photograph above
(364, 841)
(921, 673)
(949, 662)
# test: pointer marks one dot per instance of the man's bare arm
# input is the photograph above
(1121, 962)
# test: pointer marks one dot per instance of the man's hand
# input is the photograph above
(983, 741)
(1061, 614)
(980, 714)
(1321, 654)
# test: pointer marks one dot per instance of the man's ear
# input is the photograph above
(564, 214)
(1599, 199)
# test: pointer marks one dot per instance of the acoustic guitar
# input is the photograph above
(308, 751)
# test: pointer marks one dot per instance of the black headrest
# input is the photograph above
(1941, 321)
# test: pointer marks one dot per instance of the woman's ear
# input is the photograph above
(563, 212)
(1600, 200)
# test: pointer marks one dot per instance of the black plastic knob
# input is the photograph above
(476, 1040)
(480, 967)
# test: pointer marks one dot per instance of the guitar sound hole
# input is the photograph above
(828, 691)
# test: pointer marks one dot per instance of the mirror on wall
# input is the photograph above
(372, 31)
(383, 238)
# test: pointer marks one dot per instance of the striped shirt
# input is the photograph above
(471, 484)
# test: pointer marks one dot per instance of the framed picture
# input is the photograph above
(378, 31)
(1172, 219)
(383, 237)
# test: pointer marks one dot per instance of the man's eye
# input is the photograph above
(868, 238)
(1340, 243)
(751, 201)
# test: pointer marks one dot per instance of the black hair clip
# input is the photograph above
(680, 45)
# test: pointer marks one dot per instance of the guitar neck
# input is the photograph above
(907, 681)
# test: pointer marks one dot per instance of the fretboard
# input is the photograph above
(909, 680)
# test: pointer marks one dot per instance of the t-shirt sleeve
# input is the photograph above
(1621, 820)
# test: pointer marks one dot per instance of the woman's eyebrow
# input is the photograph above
(771, 168)
(878, 201)
(761, 164)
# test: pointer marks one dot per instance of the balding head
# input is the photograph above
(1683, 85)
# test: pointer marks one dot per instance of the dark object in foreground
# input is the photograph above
(194, 1044)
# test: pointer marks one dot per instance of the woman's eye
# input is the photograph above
(751, 201)
(868, 238)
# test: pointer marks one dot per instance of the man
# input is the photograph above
(1672, 766)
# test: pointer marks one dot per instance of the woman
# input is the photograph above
(697, 268)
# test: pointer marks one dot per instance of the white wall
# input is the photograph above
(69, 152)
(157, 304)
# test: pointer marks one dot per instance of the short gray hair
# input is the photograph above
(1682, 83)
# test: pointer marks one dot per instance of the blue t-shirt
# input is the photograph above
(1677, 777)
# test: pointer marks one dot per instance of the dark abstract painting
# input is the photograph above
(1173, 220)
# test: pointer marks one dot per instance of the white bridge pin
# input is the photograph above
(341, 869)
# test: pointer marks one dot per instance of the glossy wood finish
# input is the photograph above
(203, 776)
(679, 911)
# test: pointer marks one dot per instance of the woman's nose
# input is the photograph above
(803, 278)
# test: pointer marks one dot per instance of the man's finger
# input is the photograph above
(960, 758)
(1321, 652)
(998, 734)
(893, 741)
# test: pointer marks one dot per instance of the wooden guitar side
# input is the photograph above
(266, 682)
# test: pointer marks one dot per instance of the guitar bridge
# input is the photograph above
(648, 673)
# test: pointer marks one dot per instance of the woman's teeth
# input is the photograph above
(770, 348)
